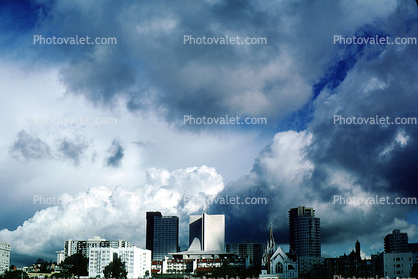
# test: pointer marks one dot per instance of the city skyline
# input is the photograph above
(74, 246)
(242, 108)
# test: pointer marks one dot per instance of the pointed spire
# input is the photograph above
(271, 232)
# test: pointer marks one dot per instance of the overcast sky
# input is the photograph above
(144, 157)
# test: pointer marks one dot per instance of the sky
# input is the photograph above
(95, 135)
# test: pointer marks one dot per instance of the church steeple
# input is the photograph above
(358, 249)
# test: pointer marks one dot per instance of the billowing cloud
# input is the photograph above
(301, 81)
(113, 214)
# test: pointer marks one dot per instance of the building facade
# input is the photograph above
(4, 257)
(207, 232)
(276, 263)
(304, 232)
(397, 264)
(251, 250)
(137, 261)
(162, 235)
(60, 256)
(72, 247)
(351, 265)
(413, 247)
(396, 242)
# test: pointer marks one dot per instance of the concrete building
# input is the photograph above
(206, 250)
(4, 257)
(72, 247)
(137, 261)
(304, 232)
(162, 236)
(396, 242)
(207, 233)
(194, 264)
(60, 256)
(397, 264)
(251, 250)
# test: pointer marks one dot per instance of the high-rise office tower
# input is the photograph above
(4, 257)
(304, 232)
(396, 242)
(162, 235)
(207, 232)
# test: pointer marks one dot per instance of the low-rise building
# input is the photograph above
(72, 247)
(137, 261)
(251, 250)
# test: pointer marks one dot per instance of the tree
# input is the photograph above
(76, 265)
(15, 274)
(115, 269)
(223, 270)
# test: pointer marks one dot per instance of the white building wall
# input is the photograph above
(60, 256)
(4, 257)
(214, 232)
(137, 261)
(397, 264)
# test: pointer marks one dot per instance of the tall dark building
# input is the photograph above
(162, 235)
(396, 242)
(304, 232)
(150, 230)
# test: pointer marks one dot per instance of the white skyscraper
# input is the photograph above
(137, 260)
(207, 232)
(4, 257)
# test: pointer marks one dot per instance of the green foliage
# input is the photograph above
(15, 274)
(115, 269)
(75, 265)
(223, 270)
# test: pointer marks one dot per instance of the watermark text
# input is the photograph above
(39, 119)
(227, 120)
(39, 39)
(375, 120)
(376, 40)
(224, 200)
(338, 199)
(235, 40)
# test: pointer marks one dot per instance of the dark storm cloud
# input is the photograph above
(347, 160)
(116, 155)
(150, 65)
(72, 150)
(27, 147)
